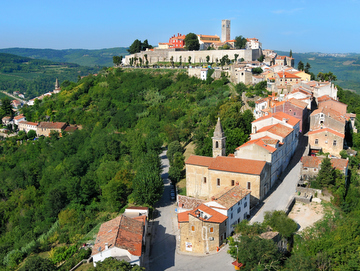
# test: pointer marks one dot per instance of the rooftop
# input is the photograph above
(280, 116)
(262, 142)
(238, 165)
(326, 130)
(232, 196)
(277, 129)
(212, 215)
(121, 232)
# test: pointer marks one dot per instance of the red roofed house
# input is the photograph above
(202, 230)
(27, 126)
(177, 41)
(19, 118)
(312, 164)
(120, 238)
(296, 108)
(327, 140)
(45, 128)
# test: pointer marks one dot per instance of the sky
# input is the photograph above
(302, 26)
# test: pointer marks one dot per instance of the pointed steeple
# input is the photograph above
(219, 140)
(218, 132)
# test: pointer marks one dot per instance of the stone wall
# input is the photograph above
(325, 141)
(196, 56)
(188, 202)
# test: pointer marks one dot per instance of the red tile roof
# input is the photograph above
(260, 142)
(288, 75)
(334, 106)
(121, 232)
(238, 165)
(215, 217)
(298, 103)
(232, 196)
(29, 123)
(19, 117)
(279, 116)
(339, 164)
(277, 129)
(327, 130)
(52, 125)
(314, 162)
(329, 113)
(184, 216)
(199, 160)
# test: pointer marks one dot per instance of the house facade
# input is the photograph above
(45, 128)
(326, 140)
(27, 126)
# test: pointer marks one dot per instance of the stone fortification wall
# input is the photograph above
(196, 56)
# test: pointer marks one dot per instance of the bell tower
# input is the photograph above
(225, 30)
(219, 140)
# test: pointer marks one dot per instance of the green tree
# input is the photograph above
(145, 45)
(257, 70)
(189, 60)
(117, 60)
(172, 61)
(135, 47)
(290, 54)
(326, 173)
(240, 42)
(208, 59)
(192, 42)
(173, 148)
(279, 221)
(300, 66)
(6, 108)
(256, 253)
(180, 59)
(146, 60)
(113, 264)
(37, 263)
(307, 67)
(236, 57)
(261, 58)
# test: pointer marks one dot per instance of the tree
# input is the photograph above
(240, 42)
(173, 148)
(326, 173)
(117, 60)
(256, 253)
(208, 59)
(180, 59)
(135, 47)
(257, 70)
(38, 263)
(146, 60)
(113, 264)
(236, 57)
(192, 42)
(300, 66)
(189, 60)
(6, 108)
(172, 61)
(307, 67)
(290, 54)
(145, 45)
(279, 221)
(261, 58)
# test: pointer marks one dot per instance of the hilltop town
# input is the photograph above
(104, 160)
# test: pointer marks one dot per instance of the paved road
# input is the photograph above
(282, 193)
(14, 97)
(163, 254)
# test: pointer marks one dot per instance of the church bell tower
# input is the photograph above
(219, 141)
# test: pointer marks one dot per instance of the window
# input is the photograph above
(238, 210)
(204, 180)
(231, 208)
(232, 182)
(245, 204)
(216, 144)
(334, 143)
(232, 216)
(192, 228)
(245, 215)
(249, 185)
(218, 182)
(315, 169)
(316, 141)
(305, 168)
(211, 229)
(294, 113)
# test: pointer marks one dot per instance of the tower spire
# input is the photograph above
(219, 140)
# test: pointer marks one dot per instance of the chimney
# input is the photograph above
(212, 198)
(106, 246)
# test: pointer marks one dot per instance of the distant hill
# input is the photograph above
(345, 66)
(83, 57)
(33, 77)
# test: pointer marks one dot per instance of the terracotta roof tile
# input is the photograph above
(29, 123)
(279, 116)
(326, 130)
(199, 160)
(232, 196)
(288, 75)
(329, 112)
(52, 125)
(262, 142)
(19, 117)
(214, 216)
(298, 103)
(122, 232)
(277, 129)
(183, 216)
(314, 162)
(334, 106)
(239, 165)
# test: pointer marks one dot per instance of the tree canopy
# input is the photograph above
(240, 42)
(192, 42)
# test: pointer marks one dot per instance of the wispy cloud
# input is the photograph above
(281, 11)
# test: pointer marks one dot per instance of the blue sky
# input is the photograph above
(303, 26)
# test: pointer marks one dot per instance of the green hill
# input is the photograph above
(34, 77)
(83, 57)
(345, 66)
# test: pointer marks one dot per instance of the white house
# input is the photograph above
(19, 118)
(203, 74)
(121, 237)
(234, 203)
(27, 126)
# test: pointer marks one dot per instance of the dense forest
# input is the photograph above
(34, 77)
(57, 190)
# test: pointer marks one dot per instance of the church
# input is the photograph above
(210, 176)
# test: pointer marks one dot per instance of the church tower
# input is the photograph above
(225, 30)
(57, 86)
(219, 140)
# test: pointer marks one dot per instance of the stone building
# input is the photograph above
(225, 30)
(27, 126)
(202, 230)
(326, 117)
(326, 140)
(219, 140)
(45, 128)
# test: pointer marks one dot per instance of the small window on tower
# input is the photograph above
(204, 180)
(217, 144)
(218, 182)
(232, 182)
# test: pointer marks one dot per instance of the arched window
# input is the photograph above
(216, 144)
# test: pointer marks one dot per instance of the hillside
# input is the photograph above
(345, 66)
(34, 77)
(55, 191)
(83, 57)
